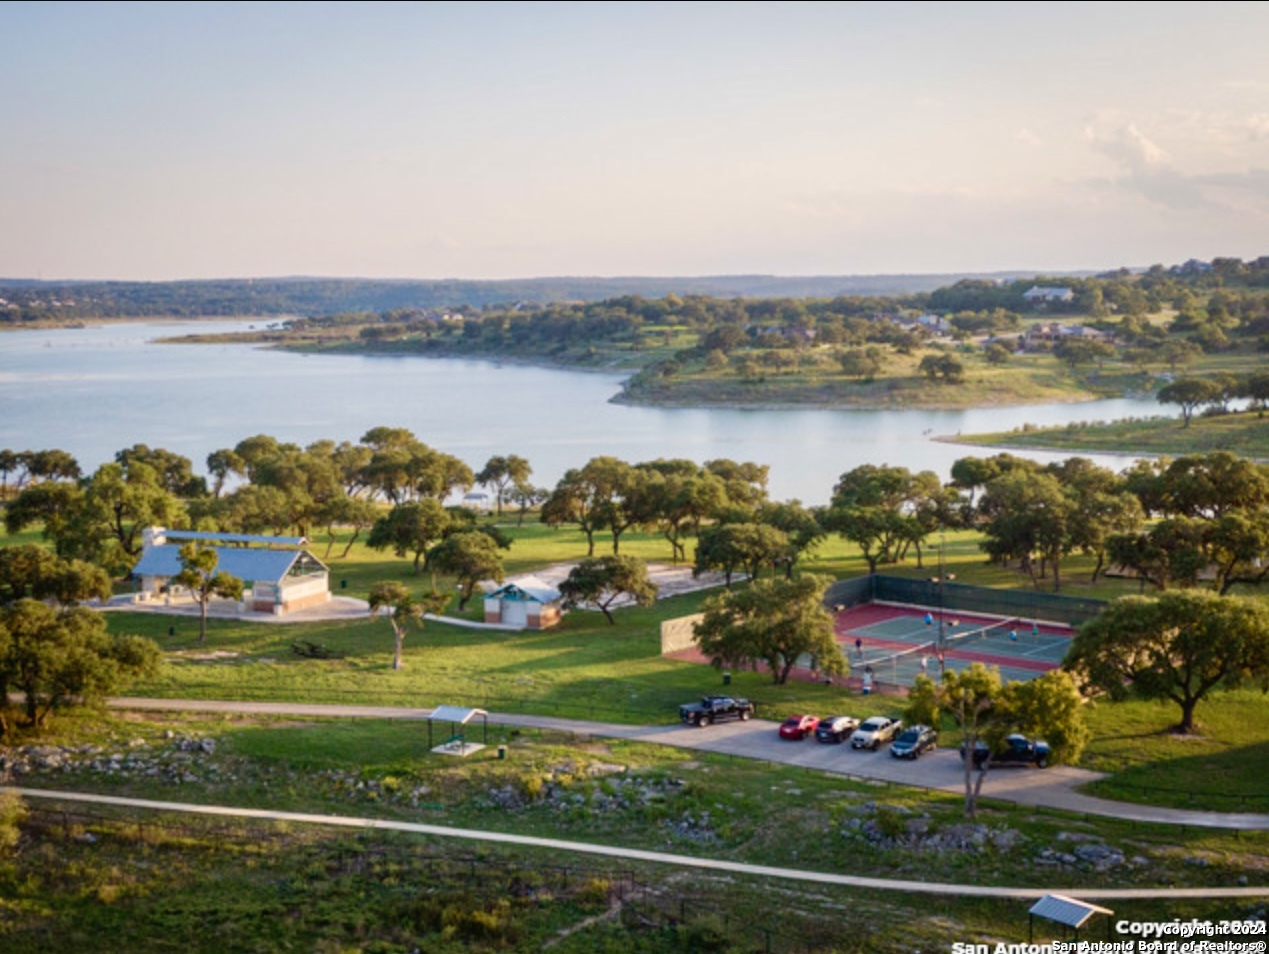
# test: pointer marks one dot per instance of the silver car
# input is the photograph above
(874, 731)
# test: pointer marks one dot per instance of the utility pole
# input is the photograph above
(938, 581)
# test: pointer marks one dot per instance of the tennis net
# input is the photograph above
(902, 666)
(1003, 629)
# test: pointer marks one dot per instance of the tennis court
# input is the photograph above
(898, 643)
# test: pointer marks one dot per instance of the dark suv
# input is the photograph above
(912, 741)
(1014, 750)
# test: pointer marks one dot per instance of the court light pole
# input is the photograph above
(938, 581)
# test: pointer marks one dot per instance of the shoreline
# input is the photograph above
(81, 323)
(622, 397)
(1243, 432)
(971, 442)
(267, 340)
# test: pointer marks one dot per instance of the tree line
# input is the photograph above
(1195, 519)
(1198, 521)
(1216, 308)
(24, 301)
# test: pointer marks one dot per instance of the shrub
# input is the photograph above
(531, 786)
(12, 811)
(889, 822)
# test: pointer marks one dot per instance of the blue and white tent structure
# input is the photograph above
(281, 578)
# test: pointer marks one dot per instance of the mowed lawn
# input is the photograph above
(1220, 768)
(584, 668)
(588, 669)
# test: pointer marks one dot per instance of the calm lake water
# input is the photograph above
(93, 391)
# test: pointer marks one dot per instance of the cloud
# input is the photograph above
(1124, 144)
(1253, 86)
(1243, 189)
(1026, 137)
(1146, 170)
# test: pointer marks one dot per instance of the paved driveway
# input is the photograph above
(758, 739)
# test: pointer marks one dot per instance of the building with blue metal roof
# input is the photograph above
(280, 577)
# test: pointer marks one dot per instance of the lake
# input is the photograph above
(93, 391)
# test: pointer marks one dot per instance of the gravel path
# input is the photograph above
(636, 854)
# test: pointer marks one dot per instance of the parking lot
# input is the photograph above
(940, 769)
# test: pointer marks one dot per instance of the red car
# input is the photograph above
(798, 727)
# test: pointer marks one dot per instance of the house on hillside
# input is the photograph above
(526, 602)
(280, 577)
(1043, 294)
(1050, 333)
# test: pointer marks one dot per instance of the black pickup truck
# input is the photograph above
(713, 709)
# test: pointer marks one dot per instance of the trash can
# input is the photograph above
(726, 679)
(502, 751)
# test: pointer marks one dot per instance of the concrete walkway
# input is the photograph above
(636, 854)
(337, 608)
(1053, 788)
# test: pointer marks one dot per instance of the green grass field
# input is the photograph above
(817, 380)
(553, 784)
(588, 669)
(1219, 769)
(77, 882)
(158, 884)
(583, 668)
(1246, 433)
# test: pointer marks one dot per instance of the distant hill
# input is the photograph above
(27, 299)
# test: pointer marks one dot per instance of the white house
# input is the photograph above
(1046, 293)
(281, 577)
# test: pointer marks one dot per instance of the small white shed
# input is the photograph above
(526, 602)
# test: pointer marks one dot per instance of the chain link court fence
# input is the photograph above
(1007, 604)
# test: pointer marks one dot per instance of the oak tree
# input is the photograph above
(500, 473)
(65, 657)
(604, 581)
(411, 528)
(203, 581)
(775, 622)
(734, 546)
(403, 608)
(1179, 646)
(470, 557)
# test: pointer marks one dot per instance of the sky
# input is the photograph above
(487, 140)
